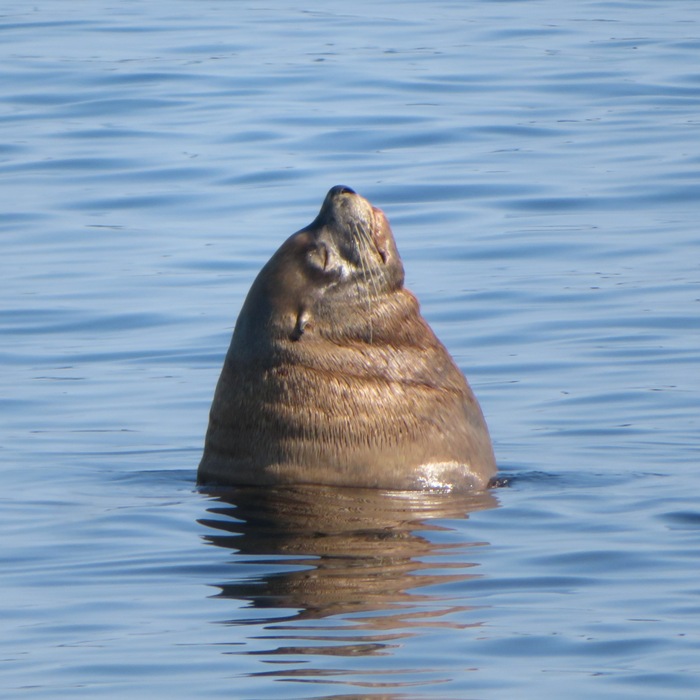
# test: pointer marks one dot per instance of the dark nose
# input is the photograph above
(341, 189)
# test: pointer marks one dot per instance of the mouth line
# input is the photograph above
(374, 233)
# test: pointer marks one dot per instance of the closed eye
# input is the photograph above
(317, 255)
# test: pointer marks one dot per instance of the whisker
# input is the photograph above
(373, 275)
(362, 237)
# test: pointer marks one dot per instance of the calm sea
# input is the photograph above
(540, 163)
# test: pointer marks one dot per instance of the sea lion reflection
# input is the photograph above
(324, 551)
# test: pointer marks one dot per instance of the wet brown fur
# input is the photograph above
(334, 377)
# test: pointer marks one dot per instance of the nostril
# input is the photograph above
(342, 189)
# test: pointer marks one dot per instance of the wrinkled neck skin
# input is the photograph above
(329, 280)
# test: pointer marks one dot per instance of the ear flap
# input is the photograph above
(303, 320)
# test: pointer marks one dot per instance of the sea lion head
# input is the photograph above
(353, 240)
(337, 268)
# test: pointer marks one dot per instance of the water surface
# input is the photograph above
(539, 163)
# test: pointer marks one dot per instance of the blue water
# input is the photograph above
(540, 164)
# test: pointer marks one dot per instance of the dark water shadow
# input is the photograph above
(319, 551)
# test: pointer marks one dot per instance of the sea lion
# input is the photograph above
(333, 377)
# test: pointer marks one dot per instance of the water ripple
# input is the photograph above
(538, 163)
